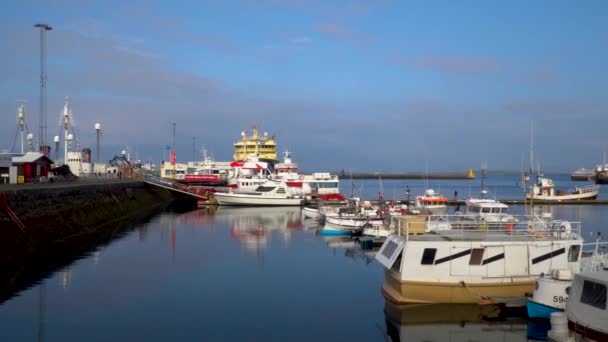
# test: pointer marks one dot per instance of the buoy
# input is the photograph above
(559, 326)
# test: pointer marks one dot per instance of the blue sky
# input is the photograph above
(379, 85)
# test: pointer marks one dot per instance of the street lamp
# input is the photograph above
(98, 130)
(43, 120)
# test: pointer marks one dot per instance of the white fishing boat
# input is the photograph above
(377, 231)
(485, 211)
(322, 185)
(475, 265)
(550, 294)
(353, 222)
(582, 175)
(544, 191)
(587, 310)
(310, 212)
(271, 193)
(431, 202)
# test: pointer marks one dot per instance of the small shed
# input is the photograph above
(31, 166)
(7, 171)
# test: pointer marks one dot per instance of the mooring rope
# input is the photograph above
(483, 300)
(10, 212)
(111, 193)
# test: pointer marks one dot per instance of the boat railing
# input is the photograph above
(584, 189)
(448, 227)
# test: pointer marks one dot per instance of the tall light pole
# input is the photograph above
(174, 136)
(98, 130)
(56, 141)
(193, 155)
(43, 119)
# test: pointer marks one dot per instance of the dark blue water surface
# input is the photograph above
(224, 274)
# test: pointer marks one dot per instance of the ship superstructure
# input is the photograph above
(263, 147)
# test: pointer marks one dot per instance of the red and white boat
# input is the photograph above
(205, 173)
(431, 202)
(320, 184)
(248, 175)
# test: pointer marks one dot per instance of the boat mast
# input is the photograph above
(21, 122)
(66, 128)
(483, 176)
(531, 148)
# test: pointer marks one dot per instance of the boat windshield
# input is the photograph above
(262, 188)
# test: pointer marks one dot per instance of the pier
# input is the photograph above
(512, 202)
(409, 175)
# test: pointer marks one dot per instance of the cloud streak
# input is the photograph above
(449, 65)
(342, 33)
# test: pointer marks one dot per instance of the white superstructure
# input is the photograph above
(486, 210)
(271, 193)
(475, 264)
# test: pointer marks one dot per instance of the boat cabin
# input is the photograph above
(485, 207)
(587, 308)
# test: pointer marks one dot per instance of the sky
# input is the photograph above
(362, 85)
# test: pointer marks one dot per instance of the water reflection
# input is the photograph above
(254, 227)
(454, 322)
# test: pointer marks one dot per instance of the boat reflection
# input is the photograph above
(254, 227)
(453, 322)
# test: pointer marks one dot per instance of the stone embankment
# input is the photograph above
(33, 218)
(44, 227)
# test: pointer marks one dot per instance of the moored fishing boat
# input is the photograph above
(321, 185)
(310, 212)
(582, 175)
(550, 294)
(475, 265)
(431, 202)
(544, 191)
(485, 211)
(601, 174)
(587, 311)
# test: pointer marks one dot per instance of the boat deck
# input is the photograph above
(498, 236)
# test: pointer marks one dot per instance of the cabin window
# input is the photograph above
(428, 256)
(485, 210)
(476, 256)
(573, 253)
(594, 294)
(473, 210)
(264, 188)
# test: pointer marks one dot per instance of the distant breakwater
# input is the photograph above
(376, 175)
(52, 221)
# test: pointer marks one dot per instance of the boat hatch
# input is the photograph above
(390, 250)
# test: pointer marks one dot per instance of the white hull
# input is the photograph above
(348, 223)
(568, 197)
(475, 265)
(310, 212)
(552, 292)
(255, 200)
(378, 231)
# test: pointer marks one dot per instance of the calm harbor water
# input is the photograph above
(222, 273)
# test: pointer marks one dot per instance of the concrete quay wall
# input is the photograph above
(38, 218)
